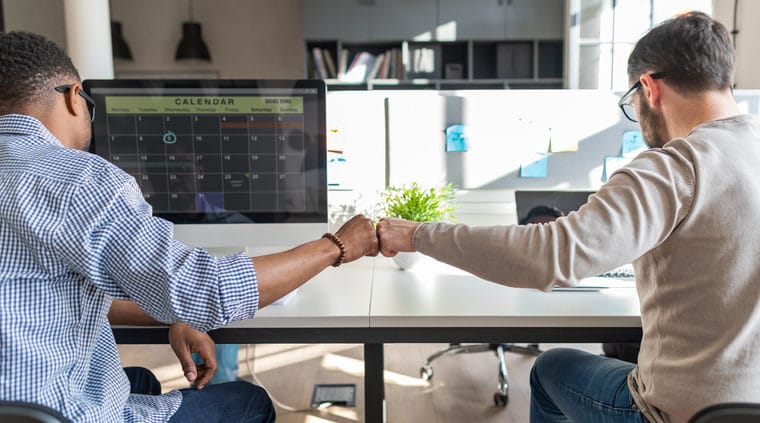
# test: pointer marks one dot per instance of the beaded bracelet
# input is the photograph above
(339, 243)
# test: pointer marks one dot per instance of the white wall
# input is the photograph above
(40, 16)
(246, 38)
(747, 59)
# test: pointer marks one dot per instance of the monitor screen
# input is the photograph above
(564, 201)
(219, 152)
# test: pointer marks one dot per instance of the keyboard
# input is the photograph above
(623, 272)
(620, 277)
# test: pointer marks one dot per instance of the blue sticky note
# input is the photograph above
(535, 166)
(633, 143)
(456, 139)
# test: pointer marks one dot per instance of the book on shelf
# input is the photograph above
(330, 63)
(342, 62)
(382, 72)
(375, 70)
(360, 67)
(320, 69)
(425, 61)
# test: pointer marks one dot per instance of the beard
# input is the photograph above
(652, 126)
(85, 134)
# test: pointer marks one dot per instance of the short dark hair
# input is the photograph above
(693, 50)
(30, 66)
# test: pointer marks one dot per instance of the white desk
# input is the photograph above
(372, 302)
(434, 294)
(337, 297)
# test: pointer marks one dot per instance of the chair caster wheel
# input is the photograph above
(426, 373)
(500, 400)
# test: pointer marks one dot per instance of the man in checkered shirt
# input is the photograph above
(78, 239)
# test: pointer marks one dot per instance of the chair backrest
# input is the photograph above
(728, 413)
(26, 412)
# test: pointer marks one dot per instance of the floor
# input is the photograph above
(460, 391)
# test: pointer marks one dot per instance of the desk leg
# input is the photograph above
(374, 385)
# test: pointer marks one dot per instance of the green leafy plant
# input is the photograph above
(413, 202)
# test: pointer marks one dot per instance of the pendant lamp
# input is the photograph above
(119, 46)
(192, 46)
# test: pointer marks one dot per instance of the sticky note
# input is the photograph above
(535, 166)
(613, 163)
(633, 143)
(562, 140)
(456, 138)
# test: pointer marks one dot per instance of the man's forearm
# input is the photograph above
(280, 273)
(129, 313)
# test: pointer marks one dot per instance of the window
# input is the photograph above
(603, 33)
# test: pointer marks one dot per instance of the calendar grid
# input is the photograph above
(213, 162)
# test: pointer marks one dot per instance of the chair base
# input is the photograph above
(501, 396)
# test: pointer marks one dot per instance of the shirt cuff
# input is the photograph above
(238, 287)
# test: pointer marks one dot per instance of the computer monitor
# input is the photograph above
(233, 163)
(565, 201)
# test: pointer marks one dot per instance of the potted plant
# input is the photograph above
(416, 203)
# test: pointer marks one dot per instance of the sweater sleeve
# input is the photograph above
(635, 211)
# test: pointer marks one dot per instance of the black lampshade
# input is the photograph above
(192, 46)
(119, 46)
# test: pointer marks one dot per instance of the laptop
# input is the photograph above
(530, 204)
(563, 201)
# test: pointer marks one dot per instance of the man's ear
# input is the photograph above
(70, 97)
(650, 91)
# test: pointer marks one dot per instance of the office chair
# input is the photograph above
(728, 413)
(538, 214)
(501, 396)
(27, 412)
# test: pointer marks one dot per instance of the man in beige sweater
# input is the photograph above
(669, 211)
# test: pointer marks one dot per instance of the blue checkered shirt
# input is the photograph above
(75, 232)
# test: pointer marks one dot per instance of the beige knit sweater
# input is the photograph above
(688, 216)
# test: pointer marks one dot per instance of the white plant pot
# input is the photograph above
(406, 261)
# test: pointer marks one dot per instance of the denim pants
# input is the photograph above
(225, 402)
(570, 385)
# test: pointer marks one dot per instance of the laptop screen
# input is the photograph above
(563, 201)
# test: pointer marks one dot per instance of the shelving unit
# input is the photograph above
(461, 64)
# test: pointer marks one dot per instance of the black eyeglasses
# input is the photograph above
(625, 101)
(87, 99)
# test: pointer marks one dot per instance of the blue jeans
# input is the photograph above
(225, 402)
(570, 385)
(142, 381)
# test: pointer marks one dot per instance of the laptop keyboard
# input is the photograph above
(623, 272)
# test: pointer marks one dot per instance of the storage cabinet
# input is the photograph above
(472, 19)
(442, 20)
(402, 20)
(470, 64)
(336, 20)
(435, 43)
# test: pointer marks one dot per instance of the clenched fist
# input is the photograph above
(359, 238)
(396, 235)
